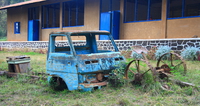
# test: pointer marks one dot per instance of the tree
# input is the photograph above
(3, 15)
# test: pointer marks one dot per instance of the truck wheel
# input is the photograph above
(57, 83)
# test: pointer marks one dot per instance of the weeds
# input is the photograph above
(117, 78)
(25, 91)
(124, 102)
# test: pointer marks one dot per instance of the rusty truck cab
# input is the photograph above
(81, 66)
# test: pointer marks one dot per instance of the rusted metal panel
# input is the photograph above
(100, 55)
(74, 32)
(94, 84)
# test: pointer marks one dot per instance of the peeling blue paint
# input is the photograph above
(82, 67)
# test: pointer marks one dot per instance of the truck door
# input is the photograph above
(61, 62)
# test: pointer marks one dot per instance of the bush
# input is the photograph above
(136, 55)
(116, 78)
(162, 50)
(151, 53)
(190, 53)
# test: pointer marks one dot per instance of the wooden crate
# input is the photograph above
(18, 64)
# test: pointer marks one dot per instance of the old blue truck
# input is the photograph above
(81, 67)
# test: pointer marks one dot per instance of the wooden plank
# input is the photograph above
(17, 58)
(183, 84)
(17, 69)
(11, 74)
(24, 67)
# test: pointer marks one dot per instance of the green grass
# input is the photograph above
(3, 38)
(25, 91)
(38, 61)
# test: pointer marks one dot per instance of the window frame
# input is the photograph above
(135, 12)
(182, 11)
(53, 17)
(33, 11)
(110, 6)
(69, 15)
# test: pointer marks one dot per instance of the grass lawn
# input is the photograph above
(24, 91)
(3, 38)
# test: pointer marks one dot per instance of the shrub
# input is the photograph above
(116, 78)
(136, 55)
(190, 53)
(151, 53)
(162, 50)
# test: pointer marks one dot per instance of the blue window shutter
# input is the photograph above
(17, 27)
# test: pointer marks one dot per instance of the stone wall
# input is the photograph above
(123, 45)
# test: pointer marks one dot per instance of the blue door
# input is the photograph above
(105, 24)
(33, 30)
(109, 21)
(115, 24)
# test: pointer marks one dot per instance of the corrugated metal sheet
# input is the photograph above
(21, 4)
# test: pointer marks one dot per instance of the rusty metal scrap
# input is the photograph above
(171, 61)
(162, 70)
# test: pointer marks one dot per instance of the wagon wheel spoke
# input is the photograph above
(137, 64)
(135, 67)
(132, 71)
(177, 65)
(146, 71)
(171, 59)
(163, 62)
(135, 71)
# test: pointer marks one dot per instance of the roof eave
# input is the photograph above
(21, 4)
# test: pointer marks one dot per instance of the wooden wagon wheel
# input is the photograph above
(135, 70)
(172, 63)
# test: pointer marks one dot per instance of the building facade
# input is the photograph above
(125, 19)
